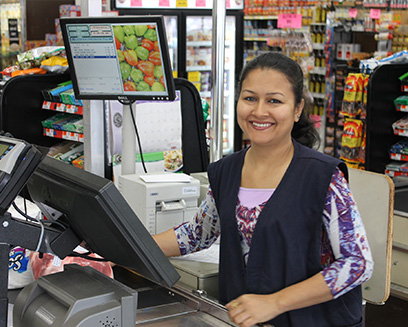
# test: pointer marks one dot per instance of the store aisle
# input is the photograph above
(394, 313)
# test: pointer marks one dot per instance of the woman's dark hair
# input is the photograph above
(303, 131)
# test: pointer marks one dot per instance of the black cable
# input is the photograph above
(22, 213)
(138, 138)
(86, 256)
(44, 221)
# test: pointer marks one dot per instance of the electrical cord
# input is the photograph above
(138, 138)
(44, 221)
(23, 213)
(40, 221)
(40, 240)
(87, 256)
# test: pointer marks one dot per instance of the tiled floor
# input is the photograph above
(394, 313)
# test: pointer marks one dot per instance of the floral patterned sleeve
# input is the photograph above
(202, 230)
(353, 263)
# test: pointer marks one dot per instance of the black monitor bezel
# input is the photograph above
(164, 49)
(114, 231)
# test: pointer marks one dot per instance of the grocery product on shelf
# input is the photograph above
(400, 127)
(399, 150)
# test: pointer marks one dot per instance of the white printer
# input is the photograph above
(161, 200)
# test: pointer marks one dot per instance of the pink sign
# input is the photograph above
(289, 21)
(164, 3)
(200, 3)
(375, 13)
(136, 3)
(228, 4)
(352, 12)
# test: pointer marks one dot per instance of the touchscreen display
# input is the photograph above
(119, 58)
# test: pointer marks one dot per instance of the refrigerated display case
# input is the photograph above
(12, 29)
(189, 32)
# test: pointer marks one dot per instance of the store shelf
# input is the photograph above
(70, 136)
(62, 107)
(318, 46)
(403, 108)
(202, 68)
(401, 132)
(259, 17)
(204, 43)
(257, 38)
(392, 173)
(398, 156)
(318, 71)
(318, 95)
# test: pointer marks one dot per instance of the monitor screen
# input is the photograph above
(122, 58)
(99, 215)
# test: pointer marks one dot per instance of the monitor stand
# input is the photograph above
(128, 138)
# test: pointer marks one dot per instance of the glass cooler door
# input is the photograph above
(198, 66)
(171, 30)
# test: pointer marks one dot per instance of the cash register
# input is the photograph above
(18, 160)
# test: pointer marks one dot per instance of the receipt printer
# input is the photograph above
(161, 201)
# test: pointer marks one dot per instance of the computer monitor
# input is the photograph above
(123, 58)
(99, 215)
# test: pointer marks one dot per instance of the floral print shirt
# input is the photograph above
(345, 253)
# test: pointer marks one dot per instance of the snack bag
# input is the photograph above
(351, 139)
(19, 267)
(350, 94)
(55, 64)
(353, 95)
(401, 103)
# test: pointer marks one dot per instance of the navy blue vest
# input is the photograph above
(285, 247)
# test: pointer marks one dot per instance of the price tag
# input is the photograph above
(182, 3)
(395, 156)
(49, 132)
(352, 12)
(200, 3)
(290, 21)
(46, 105)
(70, 136)
(81, 138)
(402, 107)
(60, 107)
(70, 108)
(375, 13)
(136, 3)
(164, 3)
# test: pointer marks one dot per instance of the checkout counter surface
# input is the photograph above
(179, 306)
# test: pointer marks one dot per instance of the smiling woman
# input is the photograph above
(293, 250)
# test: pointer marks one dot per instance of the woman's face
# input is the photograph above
(266, 108)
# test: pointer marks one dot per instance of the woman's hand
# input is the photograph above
(251, 309)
